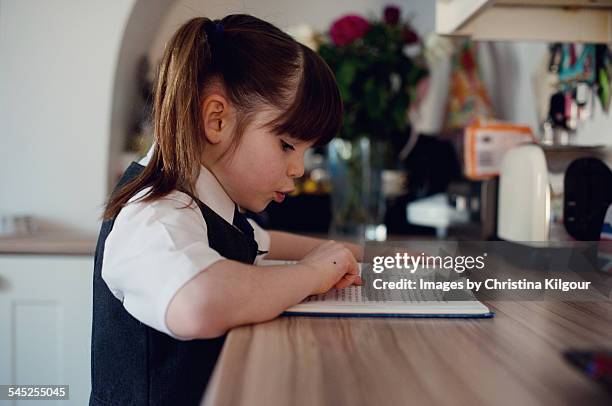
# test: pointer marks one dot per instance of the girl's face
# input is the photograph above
(263, 166)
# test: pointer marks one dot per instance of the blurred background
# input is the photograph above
(465, 119)
(76, 81)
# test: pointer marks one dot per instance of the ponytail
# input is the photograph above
(175, 163)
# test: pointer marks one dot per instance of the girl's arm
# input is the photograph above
(229, 293)
(293, 247)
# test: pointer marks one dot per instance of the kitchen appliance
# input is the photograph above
(18, 225)
(587, 195)
(524, 195)
(553, 193)
(479, 199)
(436, 211)
(604, 251)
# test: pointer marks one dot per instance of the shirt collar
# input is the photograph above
(212, 194)
(208, 190)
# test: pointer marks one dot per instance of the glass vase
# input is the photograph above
(357, 200)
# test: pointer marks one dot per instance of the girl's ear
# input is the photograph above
(215, 116)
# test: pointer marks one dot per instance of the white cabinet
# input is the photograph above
(45, 323)
(525, 20)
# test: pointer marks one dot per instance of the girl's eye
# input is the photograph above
(286, 146)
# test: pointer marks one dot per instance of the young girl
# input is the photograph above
(237, 103)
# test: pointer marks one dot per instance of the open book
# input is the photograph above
(354, 302)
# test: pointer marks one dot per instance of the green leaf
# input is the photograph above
(345, 76)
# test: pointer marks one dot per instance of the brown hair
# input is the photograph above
(258, 65)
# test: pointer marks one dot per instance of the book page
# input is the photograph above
(368, 295)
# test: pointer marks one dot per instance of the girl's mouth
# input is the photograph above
(279, 197)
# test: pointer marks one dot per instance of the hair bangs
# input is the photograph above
(316, 111)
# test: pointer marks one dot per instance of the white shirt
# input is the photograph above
(156, 247)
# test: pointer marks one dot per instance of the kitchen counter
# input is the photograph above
(49, 243)
(514, 358)
(71, 243)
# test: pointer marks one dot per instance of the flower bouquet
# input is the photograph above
(378, 64)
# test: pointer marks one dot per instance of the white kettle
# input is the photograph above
(523, 211)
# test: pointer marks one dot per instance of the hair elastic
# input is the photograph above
(214, 31)
(219, 28)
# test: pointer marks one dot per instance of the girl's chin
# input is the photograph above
(258, 207)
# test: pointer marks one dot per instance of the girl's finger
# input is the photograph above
(346, 280)
(353, 267)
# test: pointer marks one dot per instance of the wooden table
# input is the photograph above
(512, 359)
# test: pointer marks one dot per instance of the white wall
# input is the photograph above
(58, 61)
(136, 40)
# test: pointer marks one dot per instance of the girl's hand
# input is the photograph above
(357, 250)
(334, 265)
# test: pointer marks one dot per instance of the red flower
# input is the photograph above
(347, 29)
(410, 37)
(467, 60)
(391, 15)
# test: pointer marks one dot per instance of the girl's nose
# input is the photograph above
(296, 169)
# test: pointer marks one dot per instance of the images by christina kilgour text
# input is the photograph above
(459, 264)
